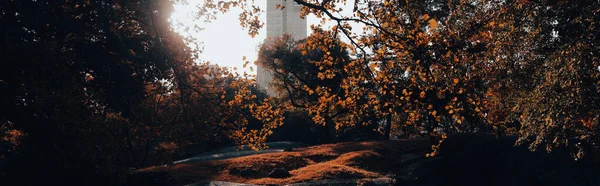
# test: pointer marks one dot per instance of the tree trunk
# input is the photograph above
(388, 126)
(330, 129)
(430, 129)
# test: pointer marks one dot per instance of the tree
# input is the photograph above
(458, 59)
(309, 76)
(560, 101)
(92, 89)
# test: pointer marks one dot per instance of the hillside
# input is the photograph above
(464, 160)
(349, 160)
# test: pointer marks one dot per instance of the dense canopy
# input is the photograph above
(91, 90)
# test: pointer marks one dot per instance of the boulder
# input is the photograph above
(246, 172)
(279, 173)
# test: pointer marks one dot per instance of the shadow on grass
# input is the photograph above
(485, 160)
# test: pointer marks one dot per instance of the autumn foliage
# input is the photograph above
(94, 89)
(518, 67)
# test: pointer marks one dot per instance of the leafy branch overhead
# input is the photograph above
(516, 67)
(95, 89)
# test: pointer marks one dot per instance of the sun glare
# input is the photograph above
(222, 41)
(184, 22)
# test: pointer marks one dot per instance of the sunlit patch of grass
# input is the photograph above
(348, 160)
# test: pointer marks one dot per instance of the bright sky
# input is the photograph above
(225, 42)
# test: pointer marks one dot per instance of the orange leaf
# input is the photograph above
(321, 76)
(433, 24)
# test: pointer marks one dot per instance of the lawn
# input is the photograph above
(348, 160)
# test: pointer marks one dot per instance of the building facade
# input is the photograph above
(279, 22)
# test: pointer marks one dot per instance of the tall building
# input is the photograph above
(279, 22)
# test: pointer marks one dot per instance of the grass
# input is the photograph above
(348, 160)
